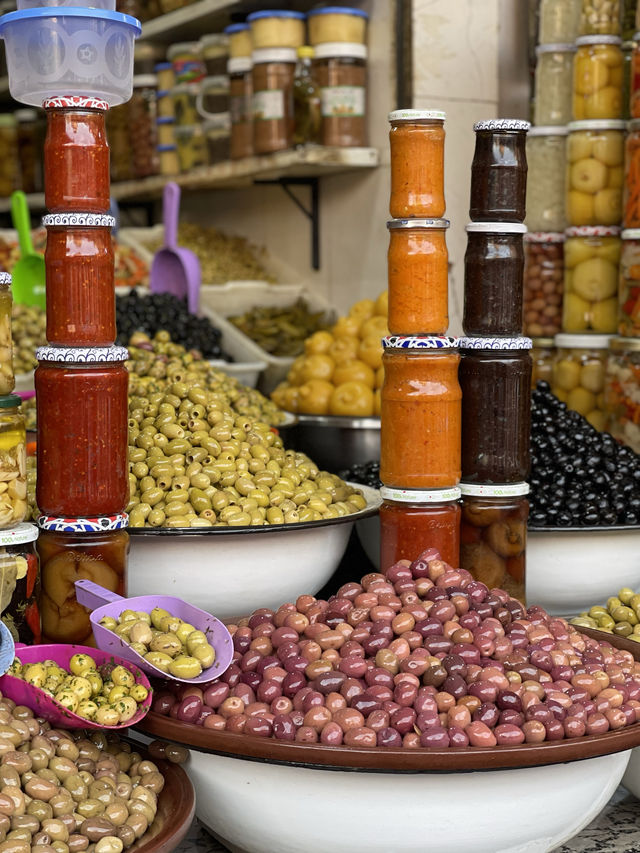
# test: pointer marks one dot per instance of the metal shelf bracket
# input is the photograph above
(312, 213)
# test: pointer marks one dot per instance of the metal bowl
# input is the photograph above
(335, 443)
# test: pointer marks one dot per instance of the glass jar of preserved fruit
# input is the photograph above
(416, 138)
(273, 73)
(493, 278)
(595, 161)
(598, 78)
(578, 375)
(30, 140)
(591, 260)
(73, 549)
(7, 379)
(631, 203)
(79, 260)
(418, 277)
(143, 138)
(553, 84)
(600, 18)
(186, 59)
(543, 283)
(9, 174)
(420, 414)
(121, 161)
(82, 461)
(499, 171)
(21, 583)
(340, 69)
(629, 289)
(240, 44)
(240, 107)
(622, 391)
(629, 18)
(559, 21)
(13, 462)
(412, 521)
(543, 356)
(546, 196)
(494, 535)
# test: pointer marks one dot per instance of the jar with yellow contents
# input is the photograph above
(595, 172)
(598, 72)
(13, 462)
(622, 391)
(579, 375)
(543, 355)
(591, 261)
(601, 17)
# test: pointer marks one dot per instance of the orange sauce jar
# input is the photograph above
(418, 276)
(417, 163)
(420, 413)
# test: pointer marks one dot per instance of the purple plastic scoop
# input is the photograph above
(175, 270)
(46, 706)
(103, 603)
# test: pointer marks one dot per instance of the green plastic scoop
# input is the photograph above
(28, 275)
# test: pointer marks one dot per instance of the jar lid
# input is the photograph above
(542, 342)
(597, 40)
(544, 237)
(5, 278)
(502, 124)
(144, 81)
(74, 102)
(216, 81)
(10, 401)
(274, 54)
(562, 47)
(634, 124)
(419, 342)
(597, 124)
(218, 39)
(338, 10)
(164, 148)
(219, 121)
(344, 49)
(19, 535)
(236, 28)
(419, 497)
(102, 17)
(397, 224)
(26, 115)
(506, 490)
(82, 355)
(183, 47)
(593, 231)
(166, 120)
(416, 115)
(497, 227)
(495, 343)
(275, 13)
(94, 220)
(94, 524)
(569, 341)
(548, 130)
(631, 234)
(163, 66)
(239, 65)
(624, 344)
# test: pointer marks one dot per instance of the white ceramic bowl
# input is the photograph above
(631, 778)
(570, 570)
(231, 572)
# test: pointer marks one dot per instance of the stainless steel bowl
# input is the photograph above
(334, 443)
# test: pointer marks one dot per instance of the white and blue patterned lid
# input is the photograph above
(82, 355)
(419, 342)
(495, 343)
(93, 524)
(502, 124)
(95, 220)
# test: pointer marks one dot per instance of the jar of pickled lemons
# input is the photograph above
(595, 172)
(598, 78)
(591, 261)
(579, 375)
(601, 17)
(543, 355)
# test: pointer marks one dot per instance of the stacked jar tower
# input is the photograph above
(495, 366)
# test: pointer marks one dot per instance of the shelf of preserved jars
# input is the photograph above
(188, 21)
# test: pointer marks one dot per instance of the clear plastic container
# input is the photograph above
(546, 161)
(595, 167)
(19, 601)
(337, 23)
(622, 391)
(543, 283)
(601, 18)
(579, 374)
(276, 28)
(591, 261)
(559, 21)
(598, 76)
(629, 287)
(9, 174)
(553, 84)
(240, 44)
(13, 462)
(543, 356)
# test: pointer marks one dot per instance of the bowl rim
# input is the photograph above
(400, 760)
(590, 529)
(340, 421)
(374, 501)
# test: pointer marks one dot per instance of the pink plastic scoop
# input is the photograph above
(103, 602)
(175, 270)
(46, 706)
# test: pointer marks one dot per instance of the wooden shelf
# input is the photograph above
(189, 21)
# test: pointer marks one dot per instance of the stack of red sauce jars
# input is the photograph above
(81, 379)
(421, 397)
(495, 366)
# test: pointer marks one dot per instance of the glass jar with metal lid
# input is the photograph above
(494, 535)
(214, 50)
(591, 260)
(13, 462)
(9, 176)
(240, 44)
(595, 161)
(546, 160)
(631, 195)
(21, 583)
(622, 391)
(599, 18)
(629, 287)
(543, 355)
(411, 521)
(543, 283)
(340, 69)
(7, 379)
(416, 138)
(578, 375)
(559, 21)
(240, 107)
(273, 74)
(553, 84)
(598, 78)
(499, 171)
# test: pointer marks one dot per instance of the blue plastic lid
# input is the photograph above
(163, 66)
(162, 148)
(71, 12)
(338, 10)
(162, 93)
(235, 28)
(275, 13)
(165, 120)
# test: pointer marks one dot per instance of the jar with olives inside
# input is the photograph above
(20, 588)
(543, 283)
(547, 162)
(579, 375)
(591, 261)
(499, 171)
(13, 462)
(598, 17)
(543, 355)
(7, 379)
(595, 161)
(598, 76)
(631, 194)
(622, 391)
(554, 84)
(493, 533)
(629, 289)
(74, 549)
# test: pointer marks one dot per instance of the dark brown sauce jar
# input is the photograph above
(495, 377)
(499, 171)
(493, 279)
(273, 72)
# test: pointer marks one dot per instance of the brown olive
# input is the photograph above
(48, 774)
(19, 806)
(62, 767)
(20, 761)
(9, 777)
(89, 750)
(69, 821)
(56, 829)
(21, 712)
(175, 753)
(15, 845)
(43, 743)
(117, 813)
(154, 781)
(5, 824)
(39, 759)
(19, 835)
(67, 749)
(140, 807)
(75, 785)
(126, 834)
(86, 765)
(77, 843)
(22, 728)
(40, 810)
(61, 803)
(42, 848)
(139, 823)
(96, 828)
(7, 806)
(40, 839)
(26, 821)
(60, 846)
(90, 808)
(41, 789)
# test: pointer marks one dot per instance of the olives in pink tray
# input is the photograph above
(421, 655)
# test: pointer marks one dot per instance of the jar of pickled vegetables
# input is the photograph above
(73, 549)
(595, 161)
(9, 163)
(7, 379)
(601, 18)
(553, 84)
(543, 356)
(629, 289)
(420, 397)
(546, 161)
(411, 521)
(494, 535)
(634, 94)
(543, 283)
(13, 462)
(598, 78)
(21, 583)
(559, 21)
(591, 260)
(121, 161)
(499, 171)
(631, 204)
(416, 138)
(629, 8)
(578, 375)
(622, 391)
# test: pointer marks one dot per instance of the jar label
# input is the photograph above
(188, 70)
(342, 101)
(268, 105)
(240, 109)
